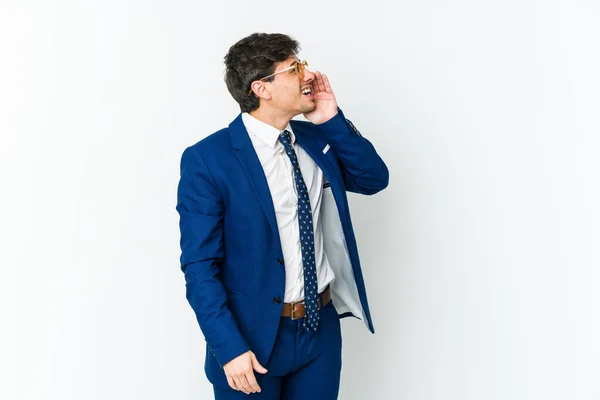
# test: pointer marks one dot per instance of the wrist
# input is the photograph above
(329, 117)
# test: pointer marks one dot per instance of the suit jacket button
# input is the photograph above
(280, 261)
(276, 300)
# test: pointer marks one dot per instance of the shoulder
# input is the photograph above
(208, 151)
(213, 142)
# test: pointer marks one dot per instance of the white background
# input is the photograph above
(481, 258)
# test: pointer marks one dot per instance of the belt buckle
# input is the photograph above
(293, 309)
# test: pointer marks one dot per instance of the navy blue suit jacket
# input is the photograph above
(231, 249)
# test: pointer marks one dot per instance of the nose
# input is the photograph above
(308, 76)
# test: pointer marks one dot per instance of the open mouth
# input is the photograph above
(307, 92)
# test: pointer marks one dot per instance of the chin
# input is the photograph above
(309, 108)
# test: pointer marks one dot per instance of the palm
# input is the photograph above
(326, 105)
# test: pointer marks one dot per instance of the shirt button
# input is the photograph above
(280, 261)
(276, 300)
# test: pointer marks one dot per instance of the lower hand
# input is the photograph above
(240, 373)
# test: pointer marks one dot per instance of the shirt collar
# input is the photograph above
(265, 132)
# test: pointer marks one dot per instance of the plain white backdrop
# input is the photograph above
(481, 258)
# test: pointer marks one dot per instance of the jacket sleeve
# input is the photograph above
(362, 169)
(201, 210)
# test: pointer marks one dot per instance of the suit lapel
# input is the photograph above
(251, 164)
(314, 150)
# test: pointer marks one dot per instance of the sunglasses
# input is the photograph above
(298, 67)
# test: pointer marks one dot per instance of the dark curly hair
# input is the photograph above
(252, 58)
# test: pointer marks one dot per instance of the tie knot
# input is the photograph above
(284, 137)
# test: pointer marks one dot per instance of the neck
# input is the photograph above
(269, 117)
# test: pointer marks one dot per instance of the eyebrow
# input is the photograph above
(294, 62)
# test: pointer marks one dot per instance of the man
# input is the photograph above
(268, 251)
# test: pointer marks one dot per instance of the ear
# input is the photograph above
(260, 90)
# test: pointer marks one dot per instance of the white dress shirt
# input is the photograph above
(279, 171)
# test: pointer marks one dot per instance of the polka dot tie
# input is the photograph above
(307, 240)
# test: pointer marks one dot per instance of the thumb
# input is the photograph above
(256, 365)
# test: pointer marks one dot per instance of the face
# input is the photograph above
(287, 90)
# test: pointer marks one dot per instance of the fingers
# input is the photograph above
(318, 82)
(256, 365)
(246, 382)
(326, 84)
(242, 384)
(321, 83)
(231, 383)
(252, 382)
(240, 373)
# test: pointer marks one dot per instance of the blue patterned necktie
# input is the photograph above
(307, 240)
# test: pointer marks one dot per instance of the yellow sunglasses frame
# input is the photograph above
(298, 68)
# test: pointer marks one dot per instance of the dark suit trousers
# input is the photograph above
(303, 365)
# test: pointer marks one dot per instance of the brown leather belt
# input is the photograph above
(297, 310)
